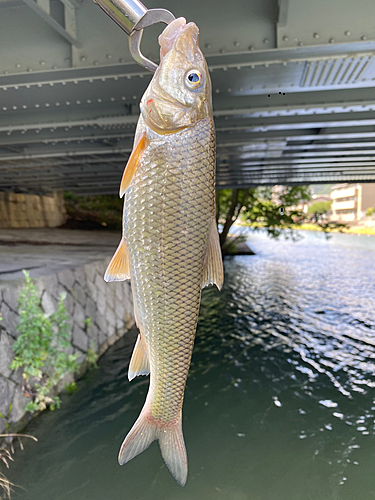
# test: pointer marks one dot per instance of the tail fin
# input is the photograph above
(171, 442)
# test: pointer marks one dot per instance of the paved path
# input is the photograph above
(46, 251)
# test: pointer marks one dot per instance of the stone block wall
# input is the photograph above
(19, 210)
(109, 305)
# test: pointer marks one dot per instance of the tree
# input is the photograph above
(321, 207)
(262, 208)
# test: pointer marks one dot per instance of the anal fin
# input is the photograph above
(213, 262)
(139, 364)
(119, 267)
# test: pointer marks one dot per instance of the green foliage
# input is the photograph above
(370, 211)
(320, 207)
(261, 208)
(94, 211)
(92, 356)
(70, 388)
(41, 348)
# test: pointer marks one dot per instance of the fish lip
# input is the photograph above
(170, 35)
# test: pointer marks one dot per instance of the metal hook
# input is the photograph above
(132, 17)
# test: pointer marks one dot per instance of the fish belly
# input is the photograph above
(167, 214)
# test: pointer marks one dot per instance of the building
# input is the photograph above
(350, 201)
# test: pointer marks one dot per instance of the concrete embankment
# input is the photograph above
(59, 261)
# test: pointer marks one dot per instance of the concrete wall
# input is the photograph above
(109, 305)
(19, 210)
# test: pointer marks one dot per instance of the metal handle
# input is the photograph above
(132, 17)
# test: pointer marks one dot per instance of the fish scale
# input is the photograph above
(172, 230)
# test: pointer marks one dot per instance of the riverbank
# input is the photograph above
(363, 229)
(58, 261)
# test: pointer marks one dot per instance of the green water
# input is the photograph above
(279, 402)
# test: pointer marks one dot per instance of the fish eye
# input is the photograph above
(193, 79)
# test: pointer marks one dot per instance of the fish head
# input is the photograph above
(179, 94)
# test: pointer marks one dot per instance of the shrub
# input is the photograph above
(41, 348)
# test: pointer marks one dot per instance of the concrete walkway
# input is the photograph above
(46, 251)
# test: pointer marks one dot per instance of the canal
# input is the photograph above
(280, 399)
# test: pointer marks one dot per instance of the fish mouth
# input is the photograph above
(171, 33)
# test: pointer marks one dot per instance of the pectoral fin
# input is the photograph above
(132, 163)
(139, 364)
(213, 261)
(119, 267)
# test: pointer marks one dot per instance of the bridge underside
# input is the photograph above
(294, 99)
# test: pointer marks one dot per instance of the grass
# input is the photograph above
(6, 456)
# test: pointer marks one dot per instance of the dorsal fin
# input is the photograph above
(139, 364)
(132, 163)
(119, 267)
(213, 261)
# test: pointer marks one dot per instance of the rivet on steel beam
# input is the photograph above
(54, 67)
(222, 51)
(207, 46)
(128, 77)
(238, 67)
(363, 37)
(83, 58)
(75, 82)
(116, 78)
(251, 47)
(241, 89)
(18, 65)
(42, 63)
(134, 97)
(37, 106)
(16, 87)
(266, 40)
(66, 129)
(285, 38)
(316, 35)
(225, 68)
(331, 40)
(78, 102)
(300, 44)
(29, 70)
(266, 65)
(63, 83)
(347, 33)
(6, 72)
(236, 44)
(81, 128)
(109, 56)
(123, 98)
(99, 100)
(37, 131)
(51, 84)
(229, 90)
(121, 60)
(67, 60)
(57, 104)
(4, 108)
(96, 63)
(88, 101)
(23, 132)
(9, 132)
(67, 103)
(91, 80)
(47, 105)
(284, 63)
(112, 99)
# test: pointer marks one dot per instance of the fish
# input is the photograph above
(170, 246)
